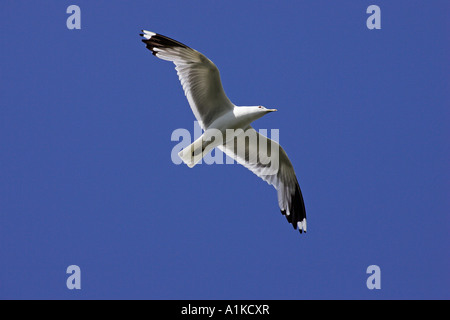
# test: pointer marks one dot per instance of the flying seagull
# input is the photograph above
(216, 113)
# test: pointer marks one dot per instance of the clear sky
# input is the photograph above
(86, 176)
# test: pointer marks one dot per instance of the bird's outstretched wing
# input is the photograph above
(198, 75)
(281, 175)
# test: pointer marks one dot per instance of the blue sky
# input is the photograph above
(86, 176)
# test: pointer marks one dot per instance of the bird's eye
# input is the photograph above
(260, 107)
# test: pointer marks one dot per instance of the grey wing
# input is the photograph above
(260, 157)
(198, 75)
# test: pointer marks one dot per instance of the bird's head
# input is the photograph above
(259, 111)
(264, 109)
(252, 113)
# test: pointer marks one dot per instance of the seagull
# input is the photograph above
(215, 114)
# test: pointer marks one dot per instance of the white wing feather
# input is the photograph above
(198, 75)
(290, 199)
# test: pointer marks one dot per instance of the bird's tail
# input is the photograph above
(192, 154)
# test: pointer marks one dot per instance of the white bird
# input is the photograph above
(216, 113)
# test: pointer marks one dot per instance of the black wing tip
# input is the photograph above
(159, 41)
(297, 211)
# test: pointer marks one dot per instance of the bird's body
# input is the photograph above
(226, 125)
(223, 129)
